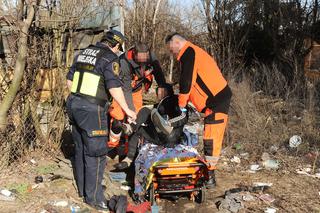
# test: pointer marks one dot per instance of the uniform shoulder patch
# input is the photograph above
(116, 68)
(97, 133)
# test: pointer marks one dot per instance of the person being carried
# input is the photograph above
(161, 125)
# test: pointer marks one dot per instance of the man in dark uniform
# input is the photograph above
(92, 78)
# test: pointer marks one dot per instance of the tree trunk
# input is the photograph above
(154, 22)
(171, 69)
(144, 30)
(20, 11)
(20, 65)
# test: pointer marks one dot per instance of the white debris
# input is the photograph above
(60, 203)
(306, 171)
(248, 197)
(262, 184)
(235, 159)
(295, 141)
(274, 148)
(126, 188)
(6, 192)
(33, 161)
(271, 164)
(265, 156)
(254, 168)
(270, 210)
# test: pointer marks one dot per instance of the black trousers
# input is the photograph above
(89, 132)
(147, 131)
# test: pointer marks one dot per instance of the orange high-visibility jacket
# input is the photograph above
(201, 81)
(138, 72)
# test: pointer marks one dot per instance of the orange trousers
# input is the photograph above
(117, 113)
(214, 128)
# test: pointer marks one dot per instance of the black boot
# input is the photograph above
(121, 166)
(211, 180)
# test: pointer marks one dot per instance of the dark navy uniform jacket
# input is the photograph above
(104, 67)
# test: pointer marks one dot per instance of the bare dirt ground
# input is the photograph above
(292, 192)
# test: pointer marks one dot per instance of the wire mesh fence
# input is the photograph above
(37, 119)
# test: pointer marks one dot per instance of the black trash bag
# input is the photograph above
(118, 204)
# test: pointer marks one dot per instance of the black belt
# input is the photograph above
(92, 100)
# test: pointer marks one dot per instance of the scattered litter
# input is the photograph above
(244, 155)
(262, 184)
(232, 202)
(248, 197)
(254, 168)
(266, 198)
(143, 207)
(117, 176)
(271, 164)
(44, 211)
(295, 141)
(75, 208)
(274, 149)
(48, 208)
(6, 192)
(235, 159)
(35, 186)
(154, 209)
(59, 203)
(194, 128)
(297, 117)
(33, 161)
(312, 156)
(254, 188)
(270, 210)
(7, 198)
(126, 188)
(265, 156)
(306, 171)
(6, 195)
(38, 179)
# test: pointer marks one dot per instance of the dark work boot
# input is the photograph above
(211, 180)
(122, 165)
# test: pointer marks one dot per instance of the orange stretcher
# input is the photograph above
(174, 179)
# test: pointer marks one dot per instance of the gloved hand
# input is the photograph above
(183, 109)
(211, 161)
(127, 128)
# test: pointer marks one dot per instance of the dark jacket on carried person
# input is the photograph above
(148, 131)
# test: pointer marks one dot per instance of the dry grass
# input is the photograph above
(260, 122)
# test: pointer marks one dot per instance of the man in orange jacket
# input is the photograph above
(138, 67)
(202, 83)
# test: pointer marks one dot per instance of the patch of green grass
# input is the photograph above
(22, 190)
(43, 170)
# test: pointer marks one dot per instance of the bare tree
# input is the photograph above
(20, 64)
